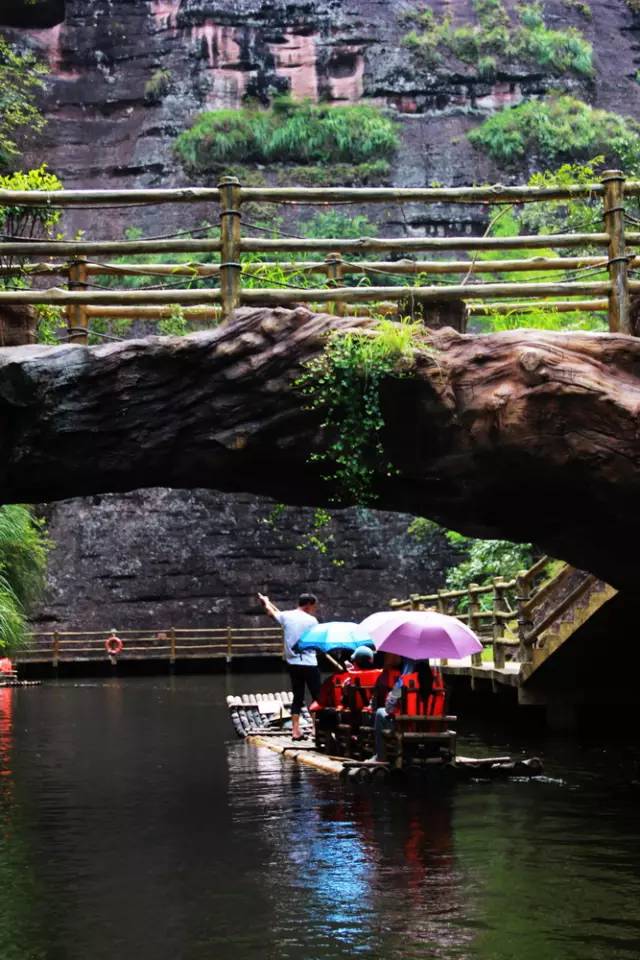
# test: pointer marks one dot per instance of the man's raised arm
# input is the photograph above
(269, 608)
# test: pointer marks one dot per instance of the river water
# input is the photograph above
(133, 827)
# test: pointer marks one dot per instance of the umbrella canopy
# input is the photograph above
(336, 635)
(420, 635)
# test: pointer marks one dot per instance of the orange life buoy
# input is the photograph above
(113, 645)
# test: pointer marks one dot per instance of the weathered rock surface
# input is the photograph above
(107, 129)
(154, 558)
(526, 435)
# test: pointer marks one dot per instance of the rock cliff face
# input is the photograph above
(161, 557)
(126, 76)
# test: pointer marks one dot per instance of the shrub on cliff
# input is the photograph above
(287, 132)
(495, 40)
(558, 128)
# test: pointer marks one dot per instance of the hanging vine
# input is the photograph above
(343, 383)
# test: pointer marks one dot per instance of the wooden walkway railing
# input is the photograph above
(171, 644)
(75, 261)
(527, 617)
(507, 615)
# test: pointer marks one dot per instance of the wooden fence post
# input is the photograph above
(473, 620)
(56, 649)
(172, 645)
(335, 278)
(619, 312)
(523, 592)
(230, 266)
(229, 644)
(498, 622)
(77, 320)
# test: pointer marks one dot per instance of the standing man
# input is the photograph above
(303, 667)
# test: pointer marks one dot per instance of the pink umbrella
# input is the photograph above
(420, 635)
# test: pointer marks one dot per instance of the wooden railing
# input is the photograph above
(75, 261)
(513, 614)
(498, 612)
(170, 643)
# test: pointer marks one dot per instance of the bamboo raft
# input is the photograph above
(264, 720)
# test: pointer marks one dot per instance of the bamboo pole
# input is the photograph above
(413, 244)
(74, 198)
(64, 248)
(230, 267)
(473, 619)
(335, 274)
(488, 194)
(561, 306)
(523, 593)
(77, 320)
(154, 313)
(491, 194)
(78, 248)
(56, 295)
(349, 268)
(270, 297)
(619, 320)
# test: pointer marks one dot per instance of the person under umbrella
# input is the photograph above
(415, 636)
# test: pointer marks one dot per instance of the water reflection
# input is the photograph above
(352, 869)
(133, 827)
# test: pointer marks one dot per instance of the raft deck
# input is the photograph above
(260, 720)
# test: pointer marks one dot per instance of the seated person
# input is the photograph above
(383, 717)
(362, 659)
(357, 687)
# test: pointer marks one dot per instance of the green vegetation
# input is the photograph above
(553, 216)
(23, 561)
(481, 560)
(494, 40)
(581, 7)
(157, 87)
(21, 77)
(560, 127)
(30, 223)
(343, 384)
(485, 559)
(287, 132)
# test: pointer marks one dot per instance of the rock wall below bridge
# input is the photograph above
(156, 558)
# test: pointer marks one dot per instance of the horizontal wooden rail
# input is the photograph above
(168, 643)
(268, 296)
(159, 312)
(349, 267)
(350, 245)
(487, 194)
(74, 198)
(79, 248)
(480, 291)
(524, 306)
